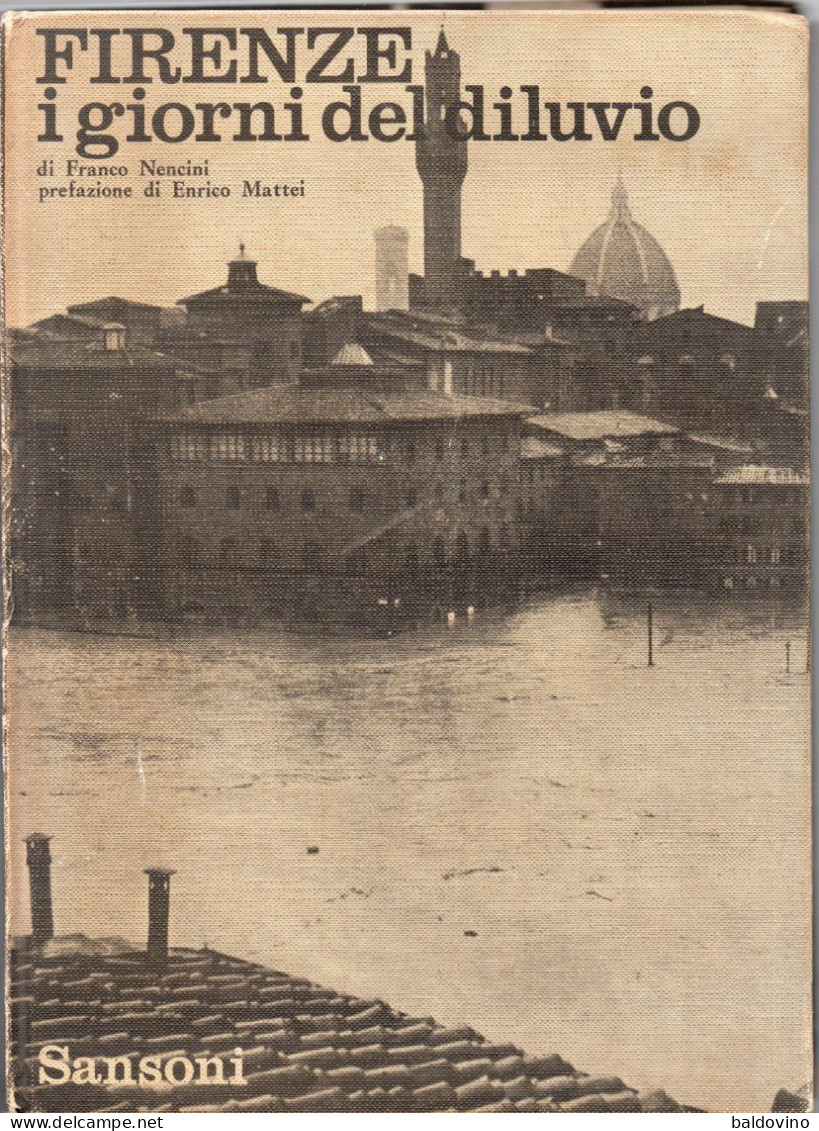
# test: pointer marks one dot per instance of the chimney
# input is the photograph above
(159, 901)
(114, 334)
(38, 858)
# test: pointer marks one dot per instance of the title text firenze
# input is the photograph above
(354, 59)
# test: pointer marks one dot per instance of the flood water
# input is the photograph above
(626, 846)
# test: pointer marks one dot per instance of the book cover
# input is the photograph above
(405, 512)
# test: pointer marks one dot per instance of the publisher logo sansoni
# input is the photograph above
(57, 1066)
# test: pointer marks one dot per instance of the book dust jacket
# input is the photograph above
(405, 514)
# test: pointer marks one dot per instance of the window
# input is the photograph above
(187, 496)
(227, 446)
(751, 554)
(267, 549)
(484, 541)
(315, 447)
(439, 491)
(484, 489)
(359, 447)
(308, 499)
(439, 552)
(271, 499)
(311, 555)
(486, 446)
(189, 446)
(776, 555)
(462, 491)
(440, 448)
(461, 547)
(269, 448)
(409, 451)
(233, 499)
(228, 553)
(412, 497)
(464, 446)
(189, 554)
(358, 499)
(411, 559)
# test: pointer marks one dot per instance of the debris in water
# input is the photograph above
(608, 898)
(312, 850)
(471, 934)
(350, 891)
(470, 872)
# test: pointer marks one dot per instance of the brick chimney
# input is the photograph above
(159, 902)
(38, 858)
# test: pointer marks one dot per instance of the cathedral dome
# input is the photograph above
(621, 259)
(352, 354)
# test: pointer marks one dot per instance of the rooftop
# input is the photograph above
(124, 304)
(289, 404)
(306, 1048)
(40, 351)
(758, 475)
(440, 336)
(532, 447)
(600, 425)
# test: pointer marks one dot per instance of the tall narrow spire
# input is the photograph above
(619, 200)
(441, 161)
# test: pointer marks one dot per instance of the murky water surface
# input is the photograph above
(628, 844)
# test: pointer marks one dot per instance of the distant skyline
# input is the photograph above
(729, 206)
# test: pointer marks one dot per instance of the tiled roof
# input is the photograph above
(41, 352)
(723, 443)
(123, 304)
(532, 447)
(758, 475)
(258, 292)
(446, 337)
(598, 425)
(291, 404)
(306, 1048)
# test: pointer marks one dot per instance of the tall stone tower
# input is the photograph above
(441, 161)
(391, 268)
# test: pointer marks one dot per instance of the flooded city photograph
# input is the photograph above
(407, 636)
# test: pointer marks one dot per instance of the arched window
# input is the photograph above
(412, 497)
(187, 496)
(233, 499)
(411, 559)
(439, 491)
(410, 451)
(504, 539)
(358, 499)
(308, 499)
(267, 548)
(462, 491)
(439, 552)
(484, 541)
(484, 489)
(461, 547)
(271, 499)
